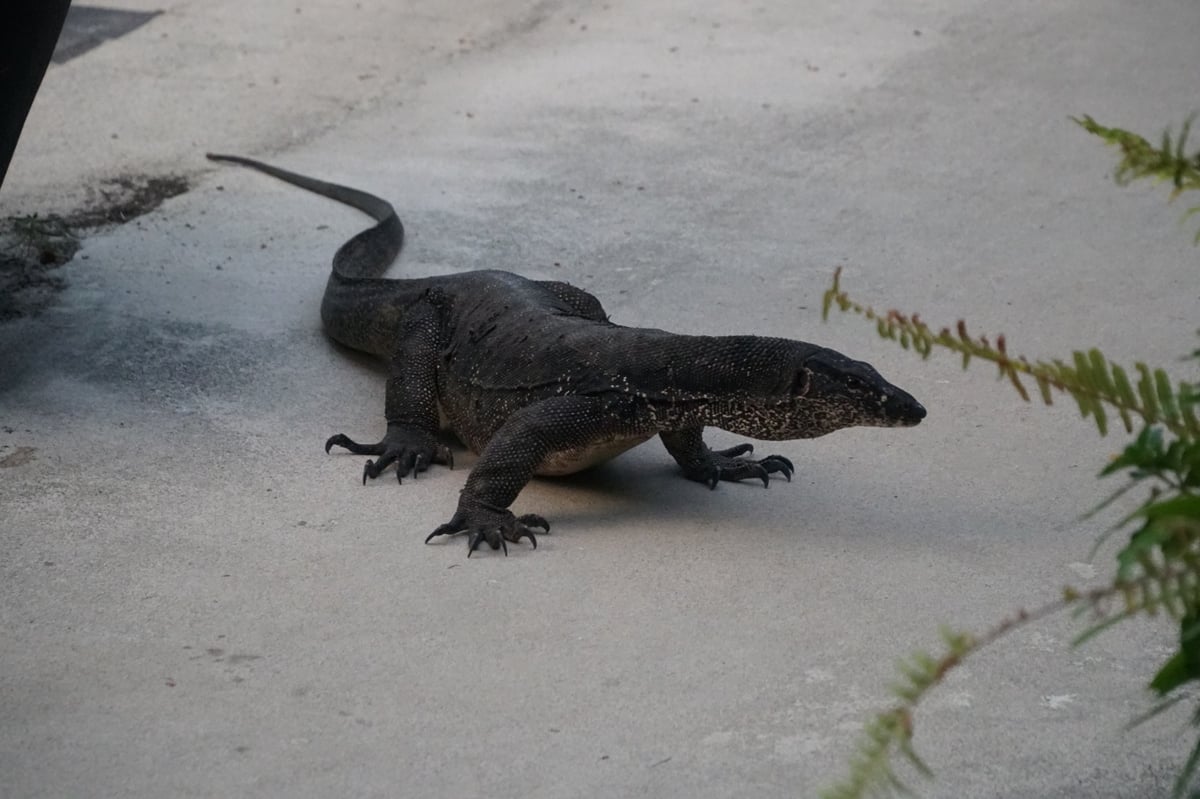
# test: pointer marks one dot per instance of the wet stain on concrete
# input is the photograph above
(172, 360)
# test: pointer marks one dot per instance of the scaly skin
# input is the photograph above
(533, 376)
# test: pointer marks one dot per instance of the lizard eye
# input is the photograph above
(802, 383)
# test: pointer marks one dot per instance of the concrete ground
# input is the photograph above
(197, 601)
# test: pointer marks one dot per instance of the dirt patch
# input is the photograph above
(33, 247)
(20, 457)
(123, 198)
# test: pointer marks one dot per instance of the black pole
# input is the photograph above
(29, 30)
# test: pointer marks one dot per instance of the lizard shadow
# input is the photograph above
(362, 360)
(639, 490)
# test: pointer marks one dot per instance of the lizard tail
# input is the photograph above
(370, 252)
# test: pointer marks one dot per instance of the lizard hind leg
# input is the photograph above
(412, 449)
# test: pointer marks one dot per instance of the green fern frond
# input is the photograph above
(1091, 379)
(1158, 585)
(891, 732)
(1170, 161)
(1188, 214)
(871, 772)
(1158, 570)
(1171, 586)
(1179, 789)
(1141, 159)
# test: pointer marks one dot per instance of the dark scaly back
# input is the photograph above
(355, 295)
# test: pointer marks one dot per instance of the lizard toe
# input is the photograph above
(411, 448)
(406, 463)
(373, 469)
(714, 478)
(728, 465)
(491, 535)
(780, 464)
(452, 527)
(520, 529)
(495, 526)
(534, 520)
(348, 443)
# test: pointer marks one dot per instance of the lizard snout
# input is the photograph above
(903, 409)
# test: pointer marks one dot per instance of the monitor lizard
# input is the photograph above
(534, 377)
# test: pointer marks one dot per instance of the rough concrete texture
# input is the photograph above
(197, 601)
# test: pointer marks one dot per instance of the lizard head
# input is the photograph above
(802, 391)
(831, 391)
(777, 389)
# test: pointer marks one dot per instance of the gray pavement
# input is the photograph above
(197, 601)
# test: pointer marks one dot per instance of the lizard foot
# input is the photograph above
(727, 464)
(410, 448)
(496, 526)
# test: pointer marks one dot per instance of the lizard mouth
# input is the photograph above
(903, 411)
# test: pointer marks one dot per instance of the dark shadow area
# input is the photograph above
(88, 27)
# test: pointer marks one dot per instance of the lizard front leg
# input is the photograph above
(710, 466)
(410, 403)
(508, 462)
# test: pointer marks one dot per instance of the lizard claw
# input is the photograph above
(449, 528)
(483, 535)
(778, 463)
(727, 465)
(410, 448)
(533, 520)
(496, 526)
(744, 448)
(341, 441)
